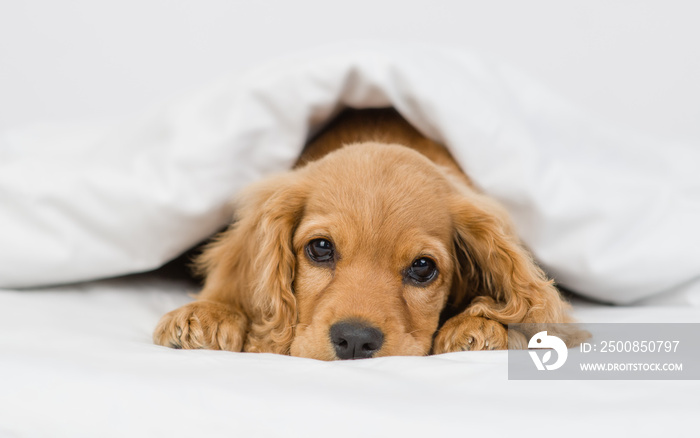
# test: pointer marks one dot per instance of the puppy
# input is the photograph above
(376, 244)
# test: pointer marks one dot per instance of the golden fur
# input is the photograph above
(384, 195)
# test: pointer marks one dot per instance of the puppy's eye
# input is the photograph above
(320, 250)
(422, 270)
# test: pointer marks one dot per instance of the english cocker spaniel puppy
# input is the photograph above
(376, 244)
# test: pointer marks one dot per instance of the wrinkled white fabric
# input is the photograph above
(610, 215)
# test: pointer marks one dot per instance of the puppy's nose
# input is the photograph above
(355, 340)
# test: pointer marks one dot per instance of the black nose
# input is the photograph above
(355, 340)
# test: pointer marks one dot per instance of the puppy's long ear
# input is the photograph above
(251, 265)
(501, 276)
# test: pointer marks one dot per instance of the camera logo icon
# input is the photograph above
(542, 341)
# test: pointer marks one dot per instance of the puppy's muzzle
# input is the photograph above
(355, 339)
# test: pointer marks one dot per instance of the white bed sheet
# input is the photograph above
(78, 361)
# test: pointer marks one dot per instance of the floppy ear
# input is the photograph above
(251, 265)
(496, 271)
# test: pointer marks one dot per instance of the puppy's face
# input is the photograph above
(374, 254)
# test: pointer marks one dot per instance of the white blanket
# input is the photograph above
(611, 216)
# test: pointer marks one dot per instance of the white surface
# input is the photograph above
(78, 362)
(610, 215)
(634, 63)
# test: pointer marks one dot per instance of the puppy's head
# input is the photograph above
(373, 253)
(351, 256)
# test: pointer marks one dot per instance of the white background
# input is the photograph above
(635, 64)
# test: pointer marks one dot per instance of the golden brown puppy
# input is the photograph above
(357, 253)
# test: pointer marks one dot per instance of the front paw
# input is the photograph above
(469, 333)
(202, 325)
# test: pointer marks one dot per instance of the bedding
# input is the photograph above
(77, 361)
(610, 215)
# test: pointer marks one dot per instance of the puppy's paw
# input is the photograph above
(202, 325)
(469, 333)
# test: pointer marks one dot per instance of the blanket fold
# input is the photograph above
(610, 215)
